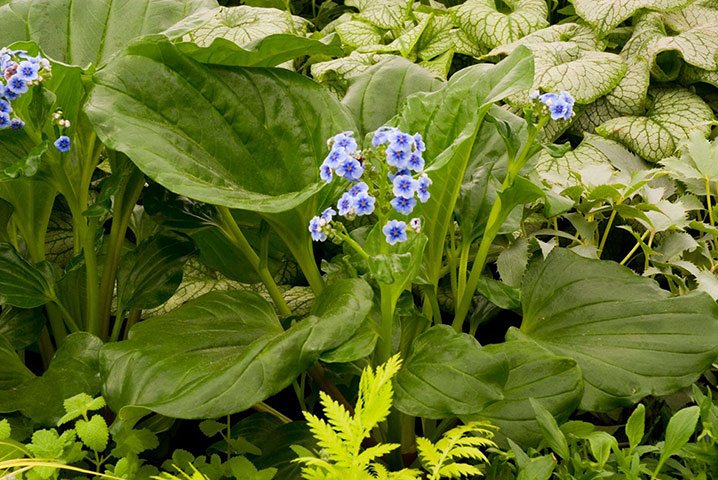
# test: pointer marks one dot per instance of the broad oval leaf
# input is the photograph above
(20, 326)
(672, 116)
(14, 371)
(83, 33)
(23, 284)
(252, 117)
(535, 373)
(225, 351)
(74, 369)
(605, 15)
(483, 23)
(448, 374)
(376, 95)
(630, 337)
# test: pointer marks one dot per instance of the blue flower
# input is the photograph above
(403, 171)
(416, 162)
(397, 158)
(336, 157)
(10, 95)
(4, 120)
(381, 136)
(399, 140)
(350, 169)
(404, 186)
(16, 124)
(343, 141)
(364, 204)
(345, 205)
(395, 231)
(326, 173)
(316, 228)
(27, 70)
(403, 205)
(419, 145)
(423, 189)
(560, 105)
(17, 84)
(5, 106)
(63, 143)
(328, 214)
(358, 188)
(6, 62)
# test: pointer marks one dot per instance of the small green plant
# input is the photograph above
(463, 442)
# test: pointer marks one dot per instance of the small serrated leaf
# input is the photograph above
(76, 406)
(5, 430)
(93, 433)
(210, 428)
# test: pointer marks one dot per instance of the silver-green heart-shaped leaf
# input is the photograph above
(437, 38)
(488, 27)
(571, 34)
(358, 33)
(241, 25)
(691, 75)
(347, 67)
(630, 337)
(386, 14)
(672, 115)
(605, 15)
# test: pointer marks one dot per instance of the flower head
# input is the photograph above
(422, 190)
(5, 121)
(5, 106)
(16, 124)
(416, 162)
(345, 205)
(397, 158)
(404, 186)
(343, 141)
(335, 158)
(27, 70)
(381, 136)
(395, 231)
(415, 224)
(419, 145)
(403, 205)
(17, 84)
(399, 140)
(316, 228)
(560, 105)
(63, 143)
(357, 188)
(364, 204)
(350, 169)
(328, 214)
(325, 172)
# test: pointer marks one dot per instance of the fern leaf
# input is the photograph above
(342, 422)
(405, 474)
(380, 471)
(376, 451)
(428, 454)
(466, 452)
(458, 470)
(328, 440)
(376, 394)
(476, 442)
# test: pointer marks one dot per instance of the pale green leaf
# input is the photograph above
(5, 430)
(437, 37)
(487, 26)
(680, 428)
(690, 75)
(635, 426)
(697, 46)
(512, 262)
(560, 36)
(346, 67)
(605, 15)
(386, 14)
(672, 115)
(407, 41)
(698, 13)
(93, 433)
(358, 33)
(241, 25)
(75, 406)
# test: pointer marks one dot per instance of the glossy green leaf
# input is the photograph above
(486, 25)
(449, 121)
(149, 275)
(225, 351)
(23, 284)
(266, 52)
(89, 33)
(448, 374)
(74, 369)
(251, 116)
(13, 372)
(679, 430)
(240, 25)
(605, 15)
(377, 94)
(535, 373)
(630, 337)
(672, 116)
(20, 326)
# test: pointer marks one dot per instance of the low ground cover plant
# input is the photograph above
(378, 239)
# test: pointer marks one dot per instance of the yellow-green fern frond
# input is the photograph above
(376, 394)
(328, 440)
(341, 421)
(442, 460)
(376, 451)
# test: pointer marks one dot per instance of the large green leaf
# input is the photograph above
(489, 27)
(241, 25)
(23, 284)
(535, 373)
(273, 118)
(386, 14)
(20, 326)
(449, 120)
(14, 371)
(672, 115)
(629, 337)
(74, 369)
(605, 15)
(149, 275)
(376, 95)
(266, 52)
(448, 374)
(562, 36)
(83, 33)
(225, 351)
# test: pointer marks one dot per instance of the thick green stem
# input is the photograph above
(47, 350)
(93, 306)
(125, 201)
(463, 267)
(234, 234)
(385, 347)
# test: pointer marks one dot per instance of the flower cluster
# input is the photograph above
(560, 105)
(389, 174)
(19, 72)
